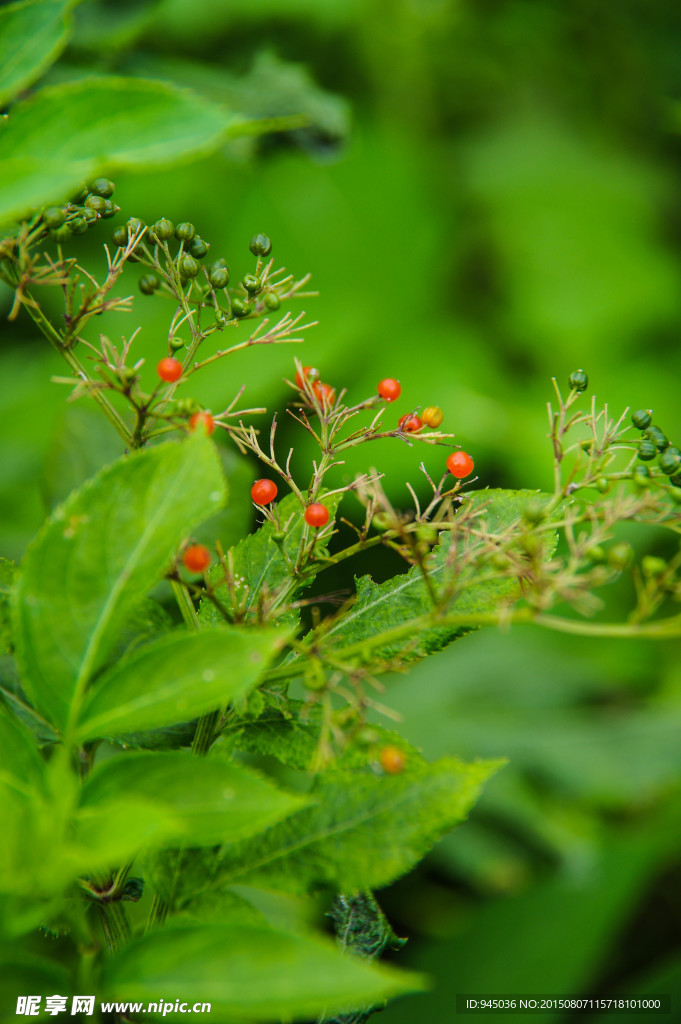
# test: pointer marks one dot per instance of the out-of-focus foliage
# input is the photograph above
(505, 208)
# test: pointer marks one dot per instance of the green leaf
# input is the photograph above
(210, 799)
(23, 972)
(250, 973)
(364, 831)
(95, 560)
(7, 572)
(177, 678)
(99, 124)
(380, 607)
(19, 755)
(262, 575)
(32, 35)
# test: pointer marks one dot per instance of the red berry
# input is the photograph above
(263, 492)
(392, 760)
(205, 419)
(390, 389)
(460, 464)
(432, 416)
(410, 424)
(316, 514)
(169, 369)
(324, 393)
(196, 558)
(308, 373)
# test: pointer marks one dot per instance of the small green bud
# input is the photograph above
(96, 203)
(647, 450)
(197, 247)
(185, 231)
(134, 225)
(500, 561)
(90, 215)
(251, 283)
(531, 544)
(148, 284)
(77, 226)
(427, 533)
(221, 317)
(595, 553)
(260, 245)
(670, 461)
(642, 419)
(620, 555)
(60, 234)
(187, 407)
(220, 262)
(272, 301)
(653, 566)
(163, 229)
(578, 381)
(641, 476)
(240, 308)
(189, 267)
(603, 484)
(120, 237)
(533, 512)
(658, 437)
(53, 217)
(176, 343)
(110, 210)
(102, 187)
(315, 677)
(367, 736)
(219, 277)
(279, 536)
(675, 494)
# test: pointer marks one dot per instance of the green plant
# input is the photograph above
(125, 735)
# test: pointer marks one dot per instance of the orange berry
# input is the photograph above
(316, 514)
(308, 373)
(196, 558)
(389, 389)
(263, 492)
(169, 369)
(392, 760)
(410, 424)
(324, 393)
(205, 419)
(460, 464)
(432, 416)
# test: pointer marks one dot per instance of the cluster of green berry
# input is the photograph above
(655, 444)
(74, 218)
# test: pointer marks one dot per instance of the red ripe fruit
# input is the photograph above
(389, 389)
(410, 424)
(460, 464)
(308, 373)
(392, 760)
(169, 369)
(324, 393)
(263, 492)
(203, 418)
(316, 514)
(196, 558)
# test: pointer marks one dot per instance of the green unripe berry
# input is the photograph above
(603, 484)
(595, 553)
(367, 736)
(620, 555)
(102, 187)
(260, 245)
(315, 677)
(185, 231)
(647, 451)
(653, 566)
(187, 407)
(641, 476)
(272, 301)
(219, 277)
(675, 480)
(675, 494)
(658, 437)
(96, 203)
(53, 217)
(533, 512)
(279, 536)
(90, 215)
(641, 419)
(148, 284)
(189, 267)
(500, 561)
(220, 262)
(60, 234)
(120, 237)
(110, 210)
(240, 308)
(578, 381)
(175, 344)
(670, 461)
(197, 247)
(134, 225)
(251, 283)
(531, 544)
(221, 317)
(163, 229)
(77, 226)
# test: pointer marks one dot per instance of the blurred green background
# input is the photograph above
(487, 195)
